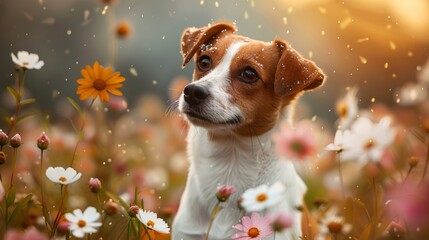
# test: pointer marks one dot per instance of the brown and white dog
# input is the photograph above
(240, 87)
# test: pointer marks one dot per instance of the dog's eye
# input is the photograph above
(204, 63)
(249, 75)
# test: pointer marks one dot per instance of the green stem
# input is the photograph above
(13, 168)
(60, 210)
(80, 134)
(340, 173)
(216, 209)
(147, 232)
(21, 90)
(41, 191)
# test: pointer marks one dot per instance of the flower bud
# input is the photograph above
(224, 192)
(282, 221)
(413, 161)
(111, 208)
(133, 211)
(2, 157)
(63, 226)
(3, 138)
(15, 141)
(94, 185)
(43, 142)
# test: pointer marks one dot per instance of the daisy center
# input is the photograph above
(261, 197)
(25, 63)
(150, 223)
(369, 144)
(335, 227)
(99, 84)
(253, 232)
(81, 223)
(342, 109)
(62, 179)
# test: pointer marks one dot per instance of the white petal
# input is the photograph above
(338, 139)
(79, 233)
(71, 218)
(39, 65)
(23, 56)
(15, 59)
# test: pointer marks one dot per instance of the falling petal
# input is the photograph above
(133, 72)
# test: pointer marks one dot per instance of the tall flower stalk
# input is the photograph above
(223, 193)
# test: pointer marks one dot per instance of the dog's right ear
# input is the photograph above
(192, 38)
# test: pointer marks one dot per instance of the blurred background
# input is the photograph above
(375, 45)
(381, 47)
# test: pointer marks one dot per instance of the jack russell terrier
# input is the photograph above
(240, 88)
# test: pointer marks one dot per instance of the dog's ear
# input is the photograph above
(295, 73)
(192, 38)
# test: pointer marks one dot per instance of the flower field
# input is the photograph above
(102, 167)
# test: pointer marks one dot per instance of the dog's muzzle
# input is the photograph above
(195, 94)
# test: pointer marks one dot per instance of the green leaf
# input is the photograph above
(10, 199)
(14, 93)
(27, 101)
(24, 117)
(75, 105)
(19, 206)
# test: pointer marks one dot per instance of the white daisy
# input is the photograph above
(27, 60)
(82, 223)
(262, 197)
(368, 140)
(62, 176)
(151, 221)
(341, 139)
(332, 223)
(347, 108)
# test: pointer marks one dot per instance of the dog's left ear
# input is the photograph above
(192, 38)
(295, 73)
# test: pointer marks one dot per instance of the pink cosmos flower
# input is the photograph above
(295, 143)
(253, 227)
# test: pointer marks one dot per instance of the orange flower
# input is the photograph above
(99, 82)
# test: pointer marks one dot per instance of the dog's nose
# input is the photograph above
(195, 94)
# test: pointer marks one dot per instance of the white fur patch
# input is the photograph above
(219, 107)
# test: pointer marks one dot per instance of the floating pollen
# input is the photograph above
(104, 10)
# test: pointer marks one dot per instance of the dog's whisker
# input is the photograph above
(172, 108)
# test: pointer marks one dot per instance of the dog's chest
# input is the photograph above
(232, 161)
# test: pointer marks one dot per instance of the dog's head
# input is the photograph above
(240, 84)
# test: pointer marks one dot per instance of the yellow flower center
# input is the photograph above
(369, 144)
(81, 223)
(25, 63)
(253, 232)
(150, 224)
(62, 179)
(261, 197)
(335, 227)
(99, 84)
(342, 109)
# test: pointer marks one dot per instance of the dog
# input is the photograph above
(239, 90)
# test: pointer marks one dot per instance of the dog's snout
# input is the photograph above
(195, 94)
